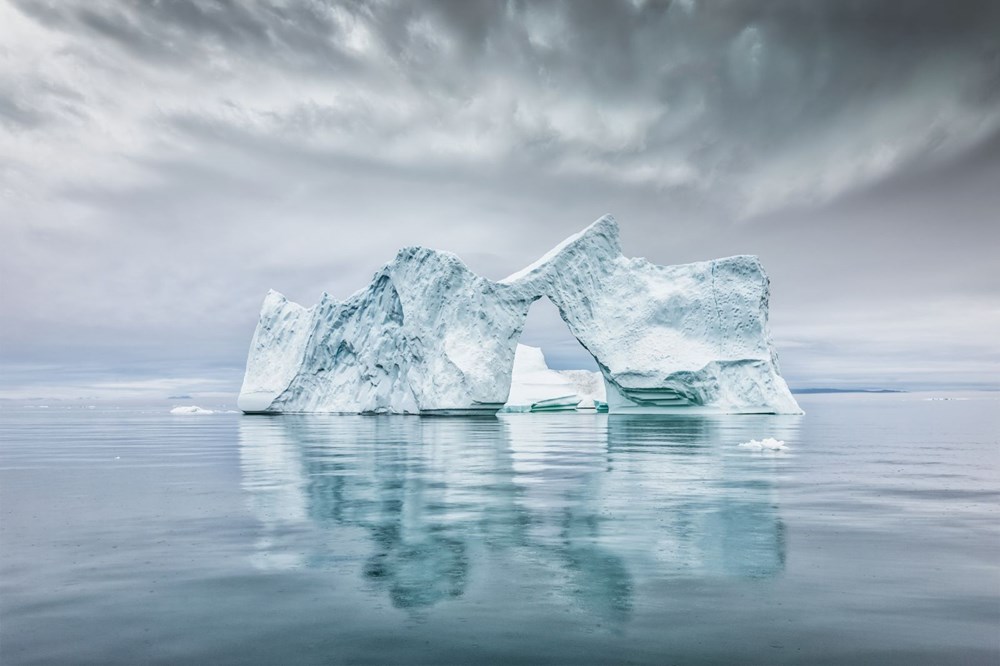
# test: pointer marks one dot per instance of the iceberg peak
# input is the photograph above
(601, 236)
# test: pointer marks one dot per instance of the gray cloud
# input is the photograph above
(163, 163)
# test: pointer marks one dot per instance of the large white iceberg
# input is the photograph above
(429, 336)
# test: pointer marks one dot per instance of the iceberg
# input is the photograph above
(429, 336)
(186, 410)
(535, 387)
(766, 444)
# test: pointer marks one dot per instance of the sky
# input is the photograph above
(163, 164)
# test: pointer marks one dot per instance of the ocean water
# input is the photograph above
(134, 537)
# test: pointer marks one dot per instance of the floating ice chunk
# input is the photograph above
(766, 444)
(190, 409)
(533, 382)
(564, 403)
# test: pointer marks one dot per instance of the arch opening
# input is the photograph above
(552, 371)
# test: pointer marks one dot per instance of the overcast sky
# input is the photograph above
(162, 164)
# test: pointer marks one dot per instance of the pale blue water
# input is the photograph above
(131, 538)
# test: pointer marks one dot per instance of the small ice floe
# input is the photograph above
(190, 409)
(766, 444)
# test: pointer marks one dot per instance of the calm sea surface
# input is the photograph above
(131, 537)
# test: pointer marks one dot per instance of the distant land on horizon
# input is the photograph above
(847, 390)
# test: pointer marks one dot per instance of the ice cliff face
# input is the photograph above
(430, 336)
(426, 336)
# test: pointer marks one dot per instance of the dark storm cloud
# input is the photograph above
(716, 88)
(164, 163)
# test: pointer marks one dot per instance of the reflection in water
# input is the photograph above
(716, 519)
(593, 505)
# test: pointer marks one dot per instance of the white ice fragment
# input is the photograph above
(532, 381)
(190, 409)
(536, 387)
(766, 444)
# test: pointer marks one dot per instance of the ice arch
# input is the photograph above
(562, 378)
(429, 336)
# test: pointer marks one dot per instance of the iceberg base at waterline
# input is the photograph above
(566, 403)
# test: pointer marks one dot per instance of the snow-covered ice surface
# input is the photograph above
(766, 444)
(190, 409)
(430, 336)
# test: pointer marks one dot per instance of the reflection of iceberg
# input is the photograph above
(416, 568)
(598, 505)
(717, 518)
(275, 486)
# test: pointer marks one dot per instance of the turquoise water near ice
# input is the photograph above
(131, 537)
